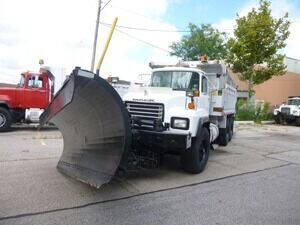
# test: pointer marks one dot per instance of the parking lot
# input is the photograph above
(254, 180)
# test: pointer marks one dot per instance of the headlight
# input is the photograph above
(180, 123)
(295, 112)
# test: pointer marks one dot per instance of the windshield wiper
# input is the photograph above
(178, 89)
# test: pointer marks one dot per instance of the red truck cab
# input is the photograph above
(35, 90)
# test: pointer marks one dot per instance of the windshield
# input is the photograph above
(177, 80)
(294, 102)
(21, 84)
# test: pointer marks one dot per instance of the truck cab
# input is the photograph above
(34, 91)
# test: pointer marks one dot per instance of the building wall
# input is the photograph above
(276, 90)
(279, 88)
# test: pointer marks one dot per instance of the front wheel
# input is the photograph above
(278, 119)
(194, 159)
(5, 119)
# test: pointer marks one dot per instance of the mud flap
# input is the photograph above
(95, 127)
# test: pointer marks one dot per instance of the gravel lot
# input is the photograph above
(254, 180)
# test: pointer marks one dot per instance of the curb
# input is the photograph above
(250, 122)
(246, 122)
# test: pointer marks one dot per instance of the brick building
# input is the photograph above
(278, 88)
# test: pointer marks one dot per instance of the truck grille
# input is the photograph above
(285, 110)
(144, 115)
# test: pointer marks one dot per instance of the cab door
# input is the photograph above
(35, 92)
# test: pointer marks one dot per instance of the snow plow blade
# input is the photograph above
(95, 127)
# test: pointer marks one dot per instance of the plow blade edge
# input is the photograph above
(95, 127)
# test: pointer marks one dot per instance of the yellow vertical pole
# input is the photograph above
(106, 44)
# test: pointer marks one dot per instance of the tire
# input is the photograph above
(194, 160)
(278, 119)
(5, 119)
(298, 121)
(230, 128)
(225, 134)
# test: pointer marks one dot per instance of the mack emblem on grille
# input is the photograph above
(143, 100)
(145, 114)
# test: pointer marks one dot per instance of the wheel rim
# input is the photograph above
(2, 120)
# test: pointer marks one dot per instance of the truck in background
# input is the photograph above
(28, 99)
(288, 112)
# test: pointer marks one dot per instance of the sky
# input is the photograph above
(62, 32)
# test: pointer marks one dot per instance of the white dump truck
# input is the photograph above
(288, 112)
(186, 109)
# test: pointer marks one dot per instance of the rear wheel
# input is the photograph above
(5, 119)
(225, 134)
(194, 160)
(230, 128)
(298, 121)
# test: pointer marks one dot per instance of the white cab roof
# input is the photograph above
(175, 68)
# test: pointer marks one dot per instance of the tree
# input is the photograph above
(253, 52)
(204, 40)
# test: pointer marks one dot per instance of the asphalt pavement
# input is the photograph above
(254, 180)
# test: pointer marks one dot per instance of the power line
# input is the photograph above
(146, 29)
(140, 40)
(174, 31)
(105, 4)
(131, 12)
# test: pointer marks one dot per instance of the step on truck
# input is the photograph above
(186, 109)
(26, 102)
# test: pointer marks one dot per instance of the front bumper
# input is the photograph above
(286, 116)
(161, 142)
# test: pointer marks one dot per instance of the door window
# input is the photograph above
(194, 83)
(35, 82)
(38, 82)
(22, 81)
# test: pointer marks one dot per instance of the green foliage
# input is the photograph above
(244, 111)
(262, 112)
(204, 40)
(247, 111)
(253, 52)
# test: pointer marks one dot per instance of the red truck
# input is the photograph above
(35, 90)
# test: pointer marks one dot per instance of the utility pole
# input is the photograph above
(96, 36)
